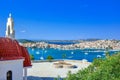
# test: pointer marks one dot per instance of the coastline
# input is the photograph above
(99, 44)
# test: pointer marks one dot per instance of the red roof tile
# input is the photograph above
(11, 50)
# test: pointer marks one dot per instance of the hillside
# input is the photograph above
(25, 41)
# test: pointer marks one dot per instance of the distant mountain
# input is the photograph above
(89, 39)
(25, 41)
(65, 42)
(55, 41)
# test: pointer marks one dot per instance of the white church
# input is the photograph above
(14, 58)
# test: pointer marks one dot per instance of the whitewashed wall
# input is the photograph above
(16, 66)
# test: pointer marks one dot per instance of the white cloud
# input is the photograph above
(23, 31)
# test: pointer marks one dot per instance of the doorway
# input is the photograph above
(9, 75)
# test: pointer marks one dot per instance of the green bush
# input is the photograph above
(64, 56)
(32, 57)
(100, 69)
(50, 58)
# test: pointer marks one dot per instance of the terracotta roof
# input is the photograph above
(11, 50)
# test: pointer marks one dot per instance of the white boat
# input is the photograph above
(103, 54)
(41, 58)
(37, 52)
(32, 49)
(99, 56)
(46, 51)
(72, 52)
(86, 53)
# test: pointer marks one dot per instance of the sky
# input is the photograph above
(62, 19)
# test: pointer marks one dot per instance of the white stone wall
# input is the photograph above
(16, 66)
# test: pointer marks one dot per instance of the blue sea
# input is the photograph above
(61, 43)
(57, 54)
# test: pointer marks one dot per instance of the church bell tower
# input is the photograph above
(10, 33)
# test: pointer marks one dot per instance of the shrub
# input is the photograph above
(64, 56)
(101, 69)
(50, 58)
(32, 57)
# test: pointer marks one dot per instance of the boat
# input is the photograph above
(72, 52)
(37, 52)
(99, 56)
(86, 53)
(41, 58)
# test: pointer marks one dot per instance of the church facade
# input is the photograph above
(14, 58)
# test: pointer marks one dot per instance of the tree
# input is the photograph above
(107, 54)
(32, 57)
(50, 58)
(64, 56)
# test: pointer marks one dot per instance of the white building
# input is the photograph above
(14, 58)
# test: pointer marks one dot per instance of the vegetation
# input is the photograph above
(107, 54)
(100, 69)
(64, 56)
(32, 57)
(50, 58)
(25, 41)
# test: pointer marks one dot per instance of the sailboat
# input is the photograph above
(86, 53)
(37, 52)
(41, 58)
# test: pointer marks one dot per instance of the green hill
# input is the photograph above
(24, 41)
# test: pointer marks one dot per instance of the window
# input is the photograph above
(9, 75)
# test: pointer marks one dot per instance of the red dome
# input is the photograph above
(11, 50)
